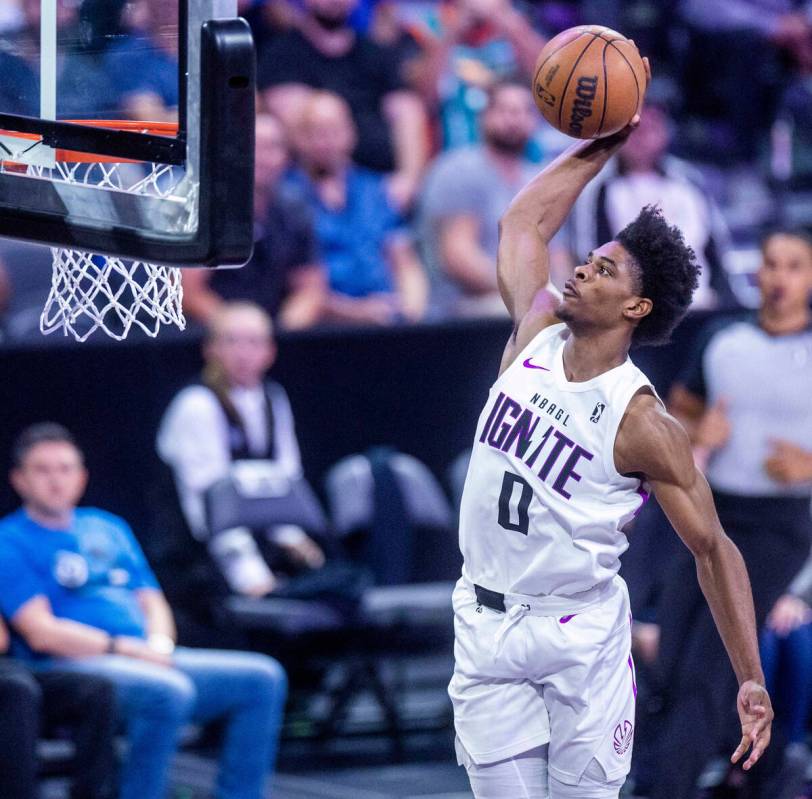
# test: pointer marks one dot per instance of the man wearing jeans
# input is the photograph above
(81, 596)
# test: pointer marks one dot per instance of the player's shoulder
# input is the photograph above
(651, 441)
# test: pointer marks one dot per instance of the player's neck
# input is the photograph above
(588, 355)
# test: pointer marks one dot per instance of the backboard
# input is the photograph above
(139, 83)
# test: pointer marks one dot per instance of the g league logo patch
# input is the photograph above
(622, 738)
(596, 414)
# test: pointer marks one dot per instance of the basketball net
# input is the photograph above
(90, 291)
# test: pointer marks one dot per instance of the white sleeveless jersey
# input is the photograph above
(543, 508)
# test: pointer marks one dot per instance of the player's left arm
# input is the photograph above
(653, 443)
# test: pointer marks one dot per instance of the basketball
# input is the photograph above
(589, 81)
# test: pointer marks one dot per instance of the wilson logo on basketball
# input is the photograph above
(582, 105)
(623, 737)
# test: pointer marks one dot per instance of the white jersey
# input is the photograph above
(543, 509)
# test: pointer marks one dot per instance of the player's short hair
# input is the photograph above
(39, 434)
(668, 272)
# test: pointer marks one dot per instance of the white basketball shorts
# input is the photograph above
(522, 679)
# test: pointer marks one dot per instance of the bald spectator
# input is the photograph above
(284, 276)
(467, 190)
(645, 173)
(324, 52)
(374, 273)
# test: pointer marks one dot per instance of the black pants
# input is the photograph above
(693, 675)
(31, 703)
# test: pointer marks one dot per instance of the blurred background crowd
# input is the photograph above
(390, 137)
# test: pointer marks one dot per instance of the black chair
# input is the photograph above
(392, 513)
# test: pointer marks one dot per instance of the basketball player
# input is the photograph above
(571, 440)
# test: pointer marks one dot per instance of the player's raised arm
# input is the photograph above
(532, 219)
(653, 443)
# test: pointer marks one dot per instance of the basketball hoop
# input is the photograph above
(91, 291)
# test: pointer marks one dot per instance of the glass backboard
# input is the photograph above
(139, 83)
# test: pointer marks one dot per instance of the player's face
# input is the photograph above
(601, 291)
(785, 276)
(51, 478)
(244, 349)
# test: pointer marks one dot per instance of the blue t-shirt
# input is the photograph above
(353, 240)
(89, 572)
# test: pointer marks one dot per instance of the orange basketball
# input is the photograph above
(589, 81)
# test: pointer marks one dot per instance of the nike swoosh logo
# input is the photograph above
(529, 365)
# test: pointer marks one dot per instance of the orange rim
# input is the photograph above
(169, 129)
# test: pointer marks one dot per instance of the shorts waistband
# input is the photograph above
(541, 605)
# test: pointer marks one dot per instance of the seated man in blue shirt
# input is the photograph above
(80, 596)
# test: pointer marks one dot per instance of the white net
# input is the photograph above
(91, 292)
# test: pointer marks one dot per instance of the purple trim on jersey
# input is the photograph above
(634, 677)
(565, 619)
(644, 498)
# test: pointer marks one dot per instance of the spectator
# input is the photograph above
(745, 404)
(645, 173)
(326, 53)
(786, 652)
(31, 701)
(268, 20)
(374, 273)
(283, 275)
(738, 42)
(792, 134)
(235, 414)
(80, 596)
(466, 192)
(477, 43)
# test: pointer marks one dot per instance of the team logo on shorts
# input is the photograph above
(623, 737)
(597, 413)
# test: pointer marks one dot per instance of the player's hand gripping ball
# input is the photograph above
(589, 81)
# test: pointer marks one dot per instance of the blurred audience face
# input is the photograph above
(51, 479)
(325, 135)
(271, 154)
(241, 344)
(509, 120)
(331, 14)
(785, 276)
(648, 143)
